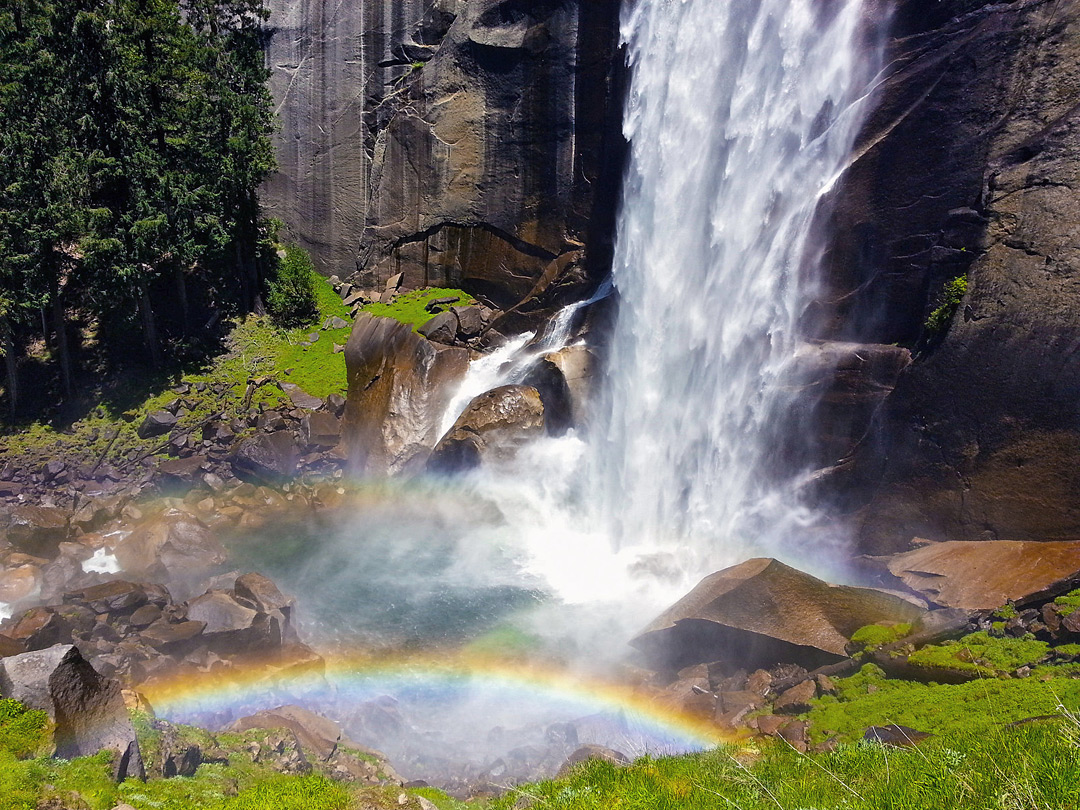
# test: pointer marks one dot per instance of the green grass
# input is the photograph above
(1033, 766)
(1071, 599)
(868, 698)
(876, 635)
(255, 347)
(409, 308)
(23, 732)
(982, 654)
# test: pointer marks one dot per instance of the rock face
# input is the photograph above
(967, 165)
(761, 612)
(474, 144)
(986, 575)
(88, 709)
(494, 422)
(399, 386)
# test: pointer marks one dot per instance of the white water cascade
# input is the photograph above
(741, 116)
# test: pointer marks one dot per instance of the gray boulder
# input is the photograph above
(267, 458)
(157, 423)
(88, 710)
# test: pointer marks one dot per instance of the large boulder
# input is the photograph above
(399, 387)
(229, 625)
(37, 530)
(266, 458)
(88, 710)
(493, 424)
(986, 575)
(171, 547)
(762, 612)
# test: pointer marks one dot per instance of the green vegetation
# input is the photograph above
(1069, 600)
(877, 635)
(290, 297)
(409, 308)
(1032, 766)
(952, 293)
(983, 654)
(135, 137)
(254, 348)
(242, 784)
(869, 698)
(23, 731)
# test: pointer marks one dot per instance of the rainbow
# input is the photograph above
(352, 678)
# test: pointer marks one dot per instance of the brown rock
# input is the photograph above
(762, 612)
(493, 425)
(164, 635)
(771, 725)
(796, 700)
(320, 429)
(172, 547)
(399, 388)
(37, 529)
(986, 575)
(268, 458)
(181, 471)
(117, 596)
(231, 626)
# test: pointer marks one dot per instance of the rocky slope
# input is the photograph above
(468, 143)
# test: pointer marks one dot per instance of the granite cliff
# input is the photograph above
(472, 144)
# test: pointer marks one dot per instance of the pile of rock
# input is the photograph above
(137, 633)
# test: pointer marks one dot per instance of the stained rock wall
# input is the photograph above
(473, 143)
(969, 164)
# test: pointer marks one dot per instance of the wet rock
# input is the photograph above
(231, 626)
(987, 575)
(470, 322)
(37, 530)
(171, 637)
(762, 612)
(266, 458)
(171, 547)
(117, 596)
(157, 423)
(493, 425)
(399, 388)
(589, 752)
(88, 710)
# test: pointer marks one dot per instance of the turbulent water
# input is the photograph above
(741, 116)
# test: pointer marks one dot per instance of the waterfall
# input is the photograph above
(741, 115)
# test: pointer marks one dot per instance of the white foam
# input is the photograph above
(102, 562)
(5, 611)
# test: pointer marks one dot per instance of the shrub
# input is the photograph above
(952, 293)
(290, 297)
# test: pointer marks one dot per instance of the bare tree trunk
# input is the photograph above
(146, 314)
(63, 350)
(11, 364)
(182, 296)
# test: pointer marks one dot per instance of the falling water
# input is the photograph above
(741, 116)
